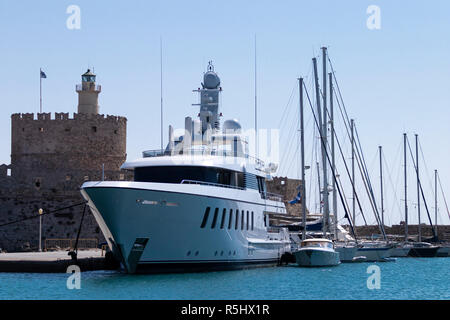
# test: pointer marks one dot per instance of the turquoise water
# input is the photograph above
(406, 278)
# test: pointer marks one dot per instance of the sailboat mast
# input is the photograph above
(324, 134)
(419, 230)
(352, 128)
(302, 162)
(381, 185)
(323, 145)
(333, 162)
(435, 202)
(320, 188)
(406, 188)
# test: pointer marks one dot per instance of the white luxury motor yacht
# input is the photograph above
(198, 205)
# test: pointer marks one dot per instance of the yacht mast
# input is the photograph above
(302, 149)
(161, 93)
(406, 188)
(381, 184)
(256, 109)
(419, 230)
(333, 162)
(324, 134)
(323, 145)
(435, 202)
(352, 128)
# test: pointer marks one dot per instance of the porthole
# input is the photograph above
(196, 253)
(215, 253)
(188, 253)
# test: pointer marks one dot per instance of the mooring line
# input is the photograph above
(44, 213)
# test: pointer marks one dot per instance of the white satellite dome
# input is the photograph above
(232, 126)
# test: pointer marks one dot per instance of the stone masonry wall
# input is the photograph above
(50, 160)
(288, 189)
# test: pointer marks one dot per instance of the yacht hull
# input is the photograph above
(374, 254)
(155, 231)
(347, 254)
(315, 257)
(427, 252)
(400, 252)
(443, 252)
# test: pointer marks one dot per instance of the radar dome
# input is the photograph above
(232, 126)
(211, 80)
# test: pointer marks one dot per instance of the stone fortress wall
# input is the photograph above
(50, 160)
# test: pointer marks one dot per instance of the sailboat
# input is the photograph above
(318, 252)
(417, 249)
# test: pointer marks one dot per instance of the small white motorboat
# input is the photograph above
(317, 253)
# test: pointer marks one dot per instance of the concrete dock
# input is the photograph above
(53, 262)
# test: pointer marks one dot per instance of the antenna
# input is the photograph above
(161, 93)
(256, 108)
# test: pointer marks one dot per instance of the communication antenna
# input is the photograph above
(256, 108)
(161, 93)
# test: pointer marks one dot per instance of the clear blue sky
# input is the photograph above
(395, 79)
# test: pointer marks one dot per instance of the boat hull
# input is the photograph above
(400, 252)
(374, 254)
(427, 252)
(155, 231)
(443, 252)
(347, 254)
(316, 258)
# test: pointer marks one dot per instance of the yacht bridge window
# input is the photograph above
(189, 174)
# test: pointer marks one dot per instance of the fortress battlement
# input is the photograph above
(61, 116)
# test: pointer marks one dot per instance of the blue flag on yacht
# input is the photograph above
(43, 75)
(297, 199)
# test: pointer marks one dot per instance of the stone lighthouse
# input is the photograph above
(88, 94)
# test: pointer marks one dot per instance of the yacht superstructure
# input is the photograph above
(199, 204)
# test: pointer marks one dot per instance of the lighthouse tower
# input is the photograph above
(88, 94)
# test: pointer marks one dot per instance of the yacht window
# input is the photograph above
(176, 174)
(224, 214)
(213, 224)
(253, 220)
(242, 220)
(237, 220)
(250, 181)
(248, 220)
(261, 185)
(230, 222)
(205, 217)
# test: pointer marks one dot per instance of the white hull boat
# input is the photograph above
(374, 252)
(400, 252)
(317, 253)
(347, 253)
(198, 205)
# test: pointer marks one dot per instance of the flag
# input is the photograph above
(43, 75)
(297, 199)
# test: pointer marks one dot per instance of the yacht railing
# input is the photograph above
(155, 153)
(162, 153)
(272, 196)
(211, 184)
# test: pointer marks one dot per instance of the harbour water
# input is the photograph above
(407, 278)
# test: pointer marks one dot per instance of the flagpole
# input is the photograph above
(40, 90)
